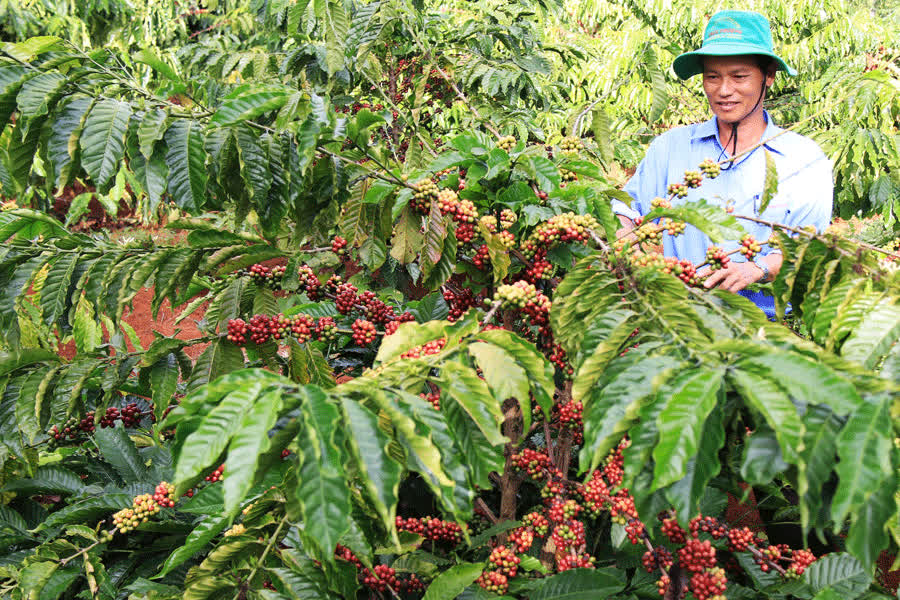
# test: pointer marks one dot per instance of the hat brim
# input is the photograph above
(691, 63)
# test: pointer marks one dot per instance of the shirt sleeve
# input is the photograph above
(648, 182)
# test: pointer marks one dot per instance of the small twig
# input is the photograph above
(759, 555)
(265, 553)
(547, 440)
(803, 232)
(490, 314)
(63, 562)
(483, 507)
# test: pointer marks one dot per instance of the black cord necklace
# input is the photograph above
(733, 138)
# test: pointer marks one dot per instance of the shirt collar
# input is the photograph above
(709, 129)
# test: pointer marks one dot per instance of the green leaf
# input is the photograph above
(247, 103)
(473, 395)
(808, 381)
(708, 218)
(254, 165)
(102, 141)
(85, 329)
(27, 50)
(538, 368)
(770, 184)
(163, 383)
(380, 473)
(50, 479)
(614, 406)
(840, 572)
(55, 291)
(186, 159)
(196, 541)
(692, 396)
(687, 494)
(118, 450)
(762, 457)
(152, 129)
(600, 127)
(612, 329)
(828, 594)
(373, 253)
(544, 172)
(219, 358)
(322, 487)
(657, 85)
(820, 447)
(89, 509)
(38, 94)
(308, 365)
(581, 584)
(868, 535)
(250, 440)
(149, 57)
(504, 377)
(204, 445)
(864, 449)
(449, 584)
(35, 576)
(874, 336)
(62, 142)
(779, 412)
(433, 244)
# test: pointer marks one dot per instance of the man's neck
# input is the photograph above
(749, 132)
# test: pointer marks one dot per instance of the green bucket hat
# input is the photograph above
(731, 33)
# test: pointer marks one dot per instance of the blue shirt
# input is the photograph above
(804, 196)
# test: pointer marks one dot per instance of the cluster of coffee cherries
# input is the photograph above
(571, 145)
(143, 506)
(73, 428)
(710, 168)
(693, 179)
(531, 462)
(717, 258)
(458, 302)
(426, 191)
(567, 503)
(566, 175)
(426, 349)
(432, 528)
(263, 327)
(339, 245)
(749, 246)
(507, 142)
(524, 296)
(700, 558)
(674, 227)
(364, 332)
(503, 564)
(381, 577)
(216, 475)
(679, 190)
(559, 229)
(265, 276)
(683, 268)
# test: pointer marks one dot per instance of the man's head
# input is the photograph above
(735, 85)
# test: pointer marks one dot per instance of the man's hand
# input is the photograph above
(733, 278)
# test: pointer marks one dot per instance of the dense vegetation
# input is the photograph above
(426, 367)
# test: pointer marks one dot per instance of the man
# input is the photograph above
(738, 65)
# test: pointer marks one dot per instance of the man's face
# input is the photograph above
(733, 85)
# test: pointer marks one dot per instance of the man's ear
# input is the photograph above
(770, 75)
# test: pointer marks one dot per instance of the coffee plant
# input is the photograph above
(426, 366)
